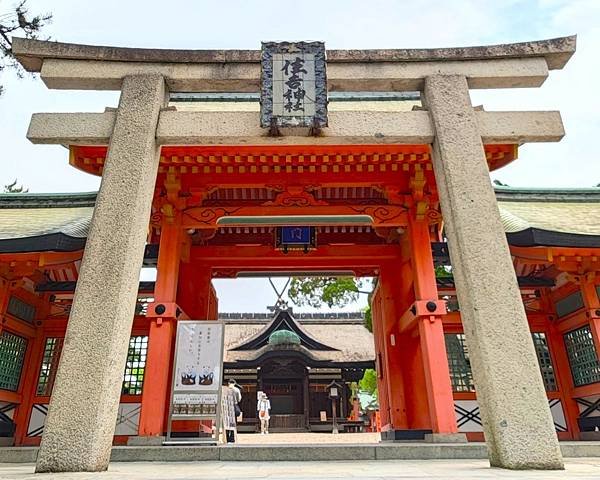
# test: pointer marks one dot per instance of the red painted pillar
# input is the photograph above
(389, 279)
(562, 372)
(431, 333)
(380, 358)
(157, 378)
(213, 303)
(4, 294)
(194, 290)
(592, 304)
(562, 369)
(31, 370)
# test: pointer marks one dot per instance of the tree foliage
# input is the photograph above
(18, 21)
(369, 382)
(443, 271)
(332, 291)
(13, 188)
(368, 318)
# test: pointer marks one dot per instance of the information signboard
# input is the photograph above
(197, 376)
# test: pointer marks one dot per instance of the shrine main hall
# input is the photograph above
(382, 163)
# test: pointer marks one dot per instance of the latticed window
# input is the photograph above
(459, 363)
(545, 360)
(52, 351)
(569, 304)
(20, 309)
(583, 359)
(133, 378)
(12, 356)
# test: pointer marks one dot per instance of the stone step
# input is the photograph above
(398, 451)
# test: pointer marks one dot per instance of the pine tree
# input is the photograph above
(18, 21)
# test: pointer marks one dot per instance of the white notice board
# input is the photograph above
(197, 375)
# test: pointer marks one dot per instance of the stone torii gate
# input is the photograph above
(517, 422)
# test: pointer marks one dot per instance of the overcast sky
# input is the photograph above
(340, 24)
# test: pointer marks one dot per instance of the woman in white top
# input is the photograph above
(263, 408)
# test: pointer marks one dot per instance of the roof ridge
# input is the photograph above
(48, 200)
(546, 194)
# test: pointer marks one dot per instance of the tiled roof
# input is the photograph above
(31, 222)
(352, 341)
(565, 217)
(61, 221)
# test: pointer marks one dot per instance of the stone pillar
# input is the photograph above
(517, 423)
(81, 421)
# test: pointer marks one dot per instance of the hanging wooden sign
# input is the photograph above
(293, 85)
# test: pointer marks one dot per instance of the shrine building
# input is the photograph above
(486, 311)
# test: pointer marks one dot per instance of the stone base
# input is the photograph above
(141, 441)
(403, 435)
(237, 452)
(589, 436)
(7, 441)
(445, 438)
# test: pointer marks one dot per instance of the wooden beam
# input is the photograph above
(263, 257)
(376, 215)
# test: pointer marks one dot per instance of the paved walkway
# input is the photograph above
(369, 470)
(306, 437)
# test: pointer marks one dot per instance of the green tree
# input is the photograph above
(336, 292)
(369, 382)
(13, 188)
(332, 291)
(18, 21)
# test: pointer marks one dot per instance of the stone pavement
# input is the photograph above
(307, 438)
(580, 468)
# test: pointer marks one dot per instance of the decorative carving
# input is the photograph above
(206, 234)
(168, 210)
(295, 196)
(275, 187)
(156, 219)
(434, 215)
(173, 187)
(417, 182)
(365, 272)
(393, 195)
(224, 273)
(209, 215)
(381, 214)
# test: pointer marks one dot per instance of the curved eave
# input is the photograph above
(537, 237)
(52, 242)
(261, 338)
(300, 354)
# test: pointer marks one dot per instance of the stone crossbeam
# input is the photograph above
(72, 66)
(346, 127)
(341, 77)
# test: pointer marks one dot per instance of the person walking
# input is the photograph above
(236, 395)
(263, 408)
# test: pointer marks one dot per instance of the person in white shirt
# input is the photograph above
(263, 407)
